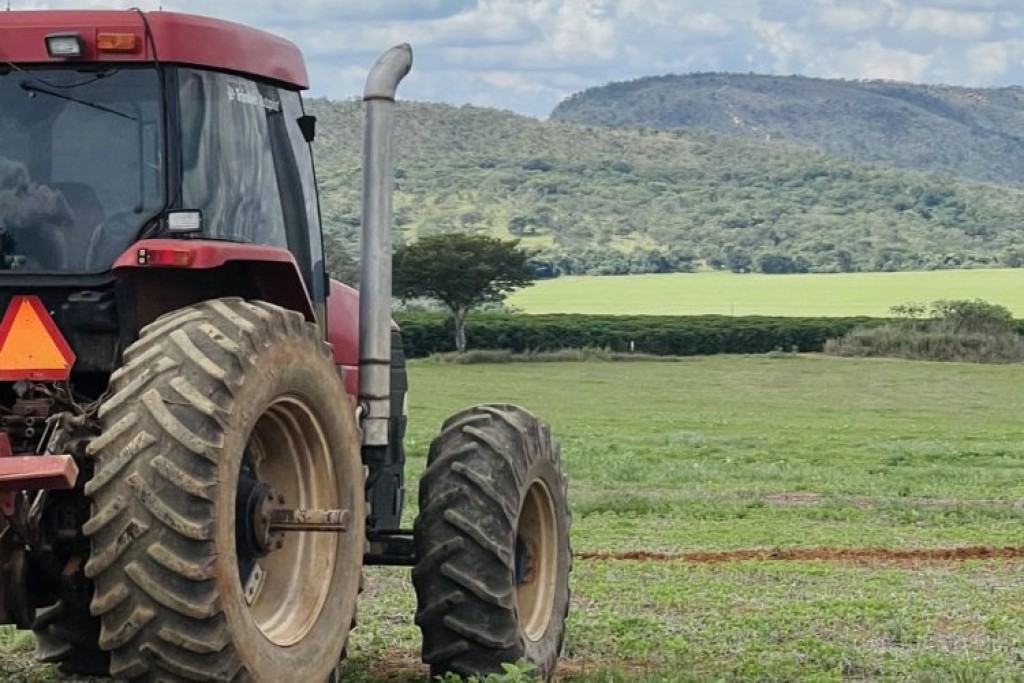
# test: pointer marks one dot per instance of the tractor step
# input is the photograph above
(390, 548)
(33, 472)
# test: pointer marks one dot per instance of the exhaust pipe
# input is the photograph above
(375, 268)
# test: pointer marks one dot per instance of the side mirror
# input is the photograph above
(307, 124)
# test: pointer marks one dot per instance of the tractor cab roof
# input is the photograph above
(174, 39)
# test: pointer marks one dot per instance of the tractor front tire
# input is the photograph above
(217, 405)
(492, 545)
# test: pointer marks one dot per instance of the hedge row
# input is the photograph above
(427, 333)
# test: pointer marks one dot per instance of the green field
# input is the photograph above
(838, 294)
(730, 453)
(733, 453)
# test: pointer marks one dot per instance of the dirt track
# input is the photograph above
(890, 556)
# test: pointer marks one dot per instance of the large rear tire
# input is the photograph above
(492, 542)
(215, 403)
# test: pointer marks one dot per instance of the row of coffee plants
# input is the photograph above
(428, 333)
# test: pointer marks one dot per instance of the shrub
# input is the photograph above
(975, 316)
(902, 341)
(968, 331)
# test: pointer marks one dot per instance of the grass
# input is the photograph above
(17, 662)
(722, 453)
(838, 294)
(727, 453)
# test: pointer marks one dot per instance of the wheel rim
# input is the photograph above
(287, 585)
(536, 560)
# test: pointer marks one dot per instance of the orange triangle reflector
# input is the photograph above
(31, 346)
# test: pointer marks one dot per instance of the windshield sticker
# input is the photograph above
(252, 97)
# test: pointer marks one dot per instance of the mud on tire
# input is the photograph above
(492, 542)
(206, 390)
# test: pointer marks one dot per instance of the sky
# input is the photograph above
(528, 55)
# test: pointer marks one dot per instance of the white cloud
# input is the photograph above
(525, 55)
(785, 45)
(880, 62)
(988, 61)
(846, 18)
(581, 29)
(950, 24)
(970, 5)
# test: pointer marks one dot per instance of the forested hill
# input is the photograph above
(616, 200)
(975, 133)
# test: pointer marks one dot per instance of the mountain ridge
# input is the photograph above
(971, 133)
(612, 201)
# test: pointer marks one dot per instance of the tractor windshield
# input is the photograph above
(80, 165)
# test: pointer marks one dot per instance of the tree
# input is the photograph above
(338, 260)
(1012, 257)
(977, 316)
(774, 263)
(462, 272)
(737, 259)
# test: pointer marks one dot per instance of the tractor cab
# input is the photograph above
(113, 129)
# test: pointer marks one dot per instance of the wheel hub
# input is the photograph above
(256, 503)
(536, 560)
(525, 554)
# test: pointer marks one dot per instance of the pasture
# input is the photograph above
(766, 518)
(721, 454)
(838, 294)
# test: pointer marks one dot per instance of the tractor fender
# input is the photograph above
(172, 273)
(343, 331)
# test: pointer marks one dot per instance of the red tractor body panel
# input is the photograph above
(273, 270)
(178, 39)
(276, 276)
(202, 253)
(343, 332)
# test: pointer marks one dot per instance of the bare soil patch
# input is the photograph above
(889, 556)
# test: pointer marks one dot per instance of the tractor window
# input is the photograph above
(305, 233)
(80, 165)
(226, 156)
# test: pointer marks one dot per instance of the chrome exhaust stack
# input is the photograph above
(375, 265)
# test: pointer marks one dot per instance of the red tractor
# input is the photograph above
(200, 433)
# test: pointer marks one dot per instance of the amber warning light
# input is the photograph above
(117, 42)
(31, 346)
